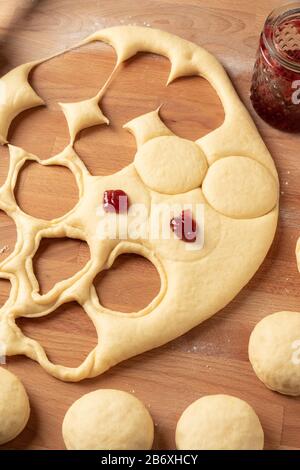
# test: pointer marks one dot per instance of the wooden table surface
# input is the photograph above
(212, 358)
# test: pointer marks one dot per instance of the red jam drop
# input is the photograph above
(184, 227)
(115, 200)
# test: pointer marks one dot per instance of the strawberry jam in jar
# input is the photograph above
(275, 89)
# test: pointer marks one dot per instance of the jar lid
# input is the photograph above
(281, 35)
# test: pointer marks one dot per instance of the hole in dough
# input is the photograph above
(37, 129)
(5, 287)
(8, 235)
(67, 334)
(183, 111)
(4, 163)
(136, 89)
(55, 187)
(57, 259)
(129, 285)
(67, 78)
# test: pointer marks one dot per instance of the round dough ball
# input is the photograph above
(14, 406)
(274, 352)
(219, 422)
(240, 187)
(171, 165)
(108, 420)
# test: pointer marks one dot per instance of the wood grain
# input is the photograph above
(212, 358)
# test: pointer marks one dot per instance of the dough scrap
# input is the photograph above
(147, 127)
(14, 406)
(274, 352)
(108, 420)
(194, 284)
(16, 95)
(82, 115)
(219, 422)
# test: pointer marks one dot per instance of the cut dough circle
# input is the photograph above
(171, 165)
(14, 406)
(274, 352)
(240, 187)
(108, 420)
(219, 422)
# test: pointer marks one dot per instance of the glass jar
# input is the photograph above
(275, 89)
